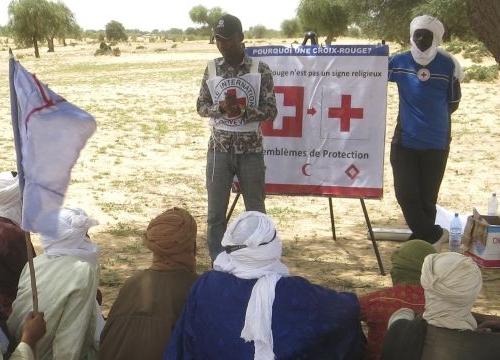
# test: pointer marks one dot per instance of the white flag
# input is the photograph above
(52, 132)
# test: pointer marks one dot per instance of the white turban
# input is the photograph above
(436, 27)
(451, 283)
(425, 57)
(72, 239)
(10, 197)
(257, 258)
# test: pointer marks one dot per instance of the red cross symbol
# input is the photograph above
(345, 113)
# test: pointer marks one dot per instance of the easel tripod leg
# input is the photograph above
(372, 237)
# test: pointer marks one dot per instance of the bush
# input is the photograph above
(481, 73)
(105, 49)
(474, 51)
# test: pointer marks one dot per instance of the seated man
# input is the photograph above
(377, 307)
(67, 278)
(13, 253)
(33, 330)
(249, 307)
(447, 328)
(144, 314)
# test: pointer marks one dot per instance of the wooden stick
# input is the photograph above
(34, 292)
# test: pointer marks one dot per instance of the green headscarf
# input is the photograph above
(407, 261)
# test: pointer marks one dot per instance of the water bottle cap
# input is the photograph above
(456, 214)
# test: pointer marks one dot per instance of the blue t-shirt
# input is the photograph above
(308, 321)
(425, 93)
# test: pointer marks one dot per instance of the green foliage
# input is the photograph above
(481, 73)
(390, 19)
(257, 32)
(201, 15)
(5, 30)
(291, 28)
(32, 21)
(325, 17)
(353, 31)
(476, 51)
(29, 21)
(115, 31)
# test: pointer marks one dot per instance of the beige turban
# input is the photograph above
(171, 237)
(10, 197)
(451, 283)
(72, 239)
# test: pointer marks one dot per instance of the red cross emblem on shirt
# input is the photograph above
(345, 112)
(242, 101)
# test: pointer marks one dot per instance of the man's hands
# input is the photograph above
(487, 323)
(230, 105)
(33, 329)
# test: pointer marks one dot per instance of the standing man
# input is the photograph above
(428, 81)
(237, 94)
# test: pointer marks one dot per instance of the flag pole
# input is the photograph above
(17, 142)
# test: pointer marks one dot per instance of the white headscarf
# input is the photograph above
(451, 285)
(73, 224)
(10, 197)
(259, 259)
(425, 57)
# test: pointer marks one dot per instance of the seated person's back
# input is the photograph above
(447, 329)
(450, 344)
(67, 279)
(251, 307)
(143, 315)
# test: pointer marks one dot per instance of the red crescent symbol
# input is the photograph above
(304, 168)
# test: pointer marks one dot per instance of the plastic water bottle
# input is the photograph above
(493, 205)
(455, 234)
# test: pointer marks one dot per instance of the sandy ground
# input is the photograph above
(148, 155)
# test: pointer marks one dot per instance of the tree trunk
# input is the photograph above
(484, 18)
(50, 44)
(35, 45)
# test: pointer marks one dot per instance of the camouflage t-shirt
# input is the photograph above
(239, 142)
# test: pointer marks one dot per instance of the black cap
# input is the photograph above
(228, 26)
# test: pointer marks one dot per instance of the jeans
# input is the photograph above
(221, 169)
(417, 179)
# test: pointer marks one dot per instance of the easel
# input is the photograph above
(332, 222)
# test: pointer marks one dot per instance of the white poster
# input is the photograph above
(329, 135)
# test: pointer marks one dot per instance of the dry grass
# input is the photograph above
(148, 155)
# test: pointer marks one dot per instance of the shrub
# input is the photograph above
(481, 73)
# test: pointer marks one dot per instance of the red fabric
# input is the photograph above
(13, 257)
(377, 308)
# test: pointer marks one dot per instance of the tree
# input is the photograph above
(327, 17)
(390, 19)
(61, 24)
(452, 13)
(27, 19)
(384, 19)
(484, 18)
(257, 32)
(201, 15)
(115, 31)
(290, 28)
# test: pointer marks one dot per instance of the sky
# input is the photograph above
(148, 15)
